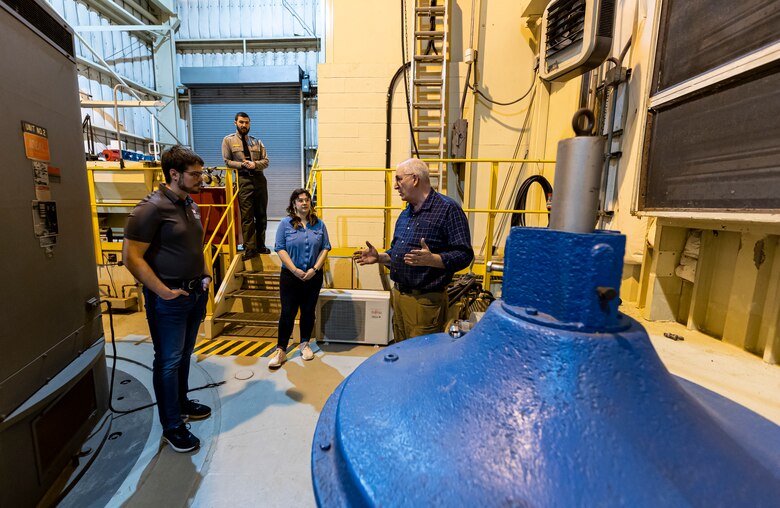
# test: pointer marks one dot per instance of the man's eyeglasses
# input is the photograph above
(399, 179)
(196, 174)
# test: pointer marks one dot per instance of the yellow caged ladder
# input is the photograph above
(429, 84)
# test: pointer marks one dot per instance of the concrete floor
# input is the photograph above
(256, 446)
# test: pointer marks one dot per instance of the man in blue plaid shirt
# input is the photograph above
(431, 242)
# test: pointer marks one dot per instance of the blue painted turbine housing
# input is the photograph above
(554, 399)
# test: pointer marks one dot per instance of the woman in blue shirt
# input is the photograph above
(302, 244)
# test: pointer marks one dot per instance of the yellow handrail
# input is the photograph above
(229, 212)
(310, 177)
(315, 177)
(229, 236)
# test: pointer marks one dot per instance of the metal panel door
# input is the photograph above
(276, 113)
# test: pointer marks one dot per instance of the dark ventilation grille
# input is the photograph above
(565, 26)
(696, 36)
(267, 94)
(606, 18)
(44, 22)
(720, 150)
(55, 429)
(343, 320)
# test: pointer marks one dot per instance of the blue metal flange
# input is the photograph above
(553, 399)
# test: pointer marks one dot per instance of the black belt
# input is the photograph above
(406, 290)
(189, 284)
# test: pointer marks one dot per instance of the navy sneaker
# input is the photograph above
(190, 409)
(181, 439)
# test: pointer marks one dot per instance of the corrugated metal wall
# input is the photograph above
(132, 56)
(276, 120)
(127, 54)
(252, 19)
(248, 19)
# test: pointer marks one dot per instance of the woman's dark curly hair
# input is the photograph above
(311, 216)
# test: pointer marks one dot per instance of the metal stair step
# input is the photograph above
(428, 82)
(429, 152)
(432, 9)
(427, 129)
(248, 318)
(427, 105)
(429, 34)
(259, 294)
(249, 273)
(429, 58)
(250, 331)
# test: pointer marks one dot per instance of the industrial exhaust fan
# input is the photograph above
(576, 37)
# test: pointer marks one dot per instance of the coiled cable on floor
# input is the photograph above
(518, 219)
(113, 371)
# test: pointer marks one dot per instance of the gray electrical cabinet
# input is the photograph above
(53, 383)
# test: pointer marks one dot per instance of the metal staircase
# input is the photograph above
(429, 83)
(248, 304)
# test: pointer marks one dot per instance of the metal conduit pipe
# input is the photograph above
(611, 131)
(389, 127)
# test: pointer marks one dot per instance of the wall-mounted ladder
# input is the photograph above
(429, 84)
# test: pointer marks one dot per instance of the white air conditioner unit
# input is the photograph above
(576, 37)
(353, 315)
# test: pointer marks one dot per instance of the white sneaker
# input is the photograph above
(278, 358)
(306, 352)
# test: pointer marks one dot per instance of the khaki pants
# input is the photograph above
(418, 314)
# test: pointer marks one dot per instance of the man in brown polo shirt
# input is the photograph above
(163, 248)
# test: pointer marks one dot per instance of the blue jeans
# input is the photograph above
(173, 325)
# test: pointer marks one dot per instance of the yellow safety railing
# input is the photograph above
(314, 185)
(229, 235)
(491, 210)
(155, 176)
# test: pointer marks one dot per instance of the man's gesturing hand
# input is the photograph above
(367, 256)
(422, 256)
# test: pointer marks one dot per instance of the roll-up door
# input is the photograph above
(276, 115)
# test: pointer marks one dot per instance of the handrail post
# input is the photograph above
(387, 213)
(318, 190)
(490, 222)
(229, 199)
(95, 222)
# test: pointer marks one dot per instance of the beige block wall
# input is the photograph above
(362, 57)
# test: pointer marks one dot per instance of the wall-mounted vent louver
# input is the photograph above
(37, 17)
(576, 37)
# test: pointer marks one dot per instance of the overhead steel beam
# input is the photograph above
(122, 28)
(151, 18)
(125, 83)
(125, 134)
(118, 15)
(115, 12)
(165, 6)
(264, 43)
(298, 17)
(89, 103)
(133, 84)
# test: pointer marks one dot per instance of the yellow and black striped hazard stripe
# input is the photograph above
(229, 347)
